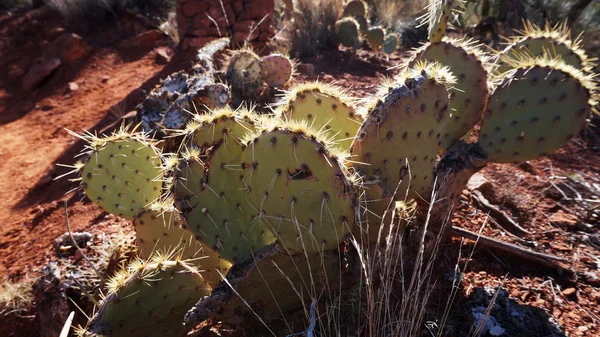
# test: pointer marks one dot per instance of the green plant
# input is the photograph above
(275, 203)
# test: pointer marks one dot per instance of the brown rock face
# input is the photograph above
(39, 71)
(201, 21)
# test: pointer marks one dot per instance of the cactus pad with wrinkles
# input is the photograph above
(276, 70)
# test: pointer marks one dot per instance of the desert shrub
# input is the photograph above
(310, 28)
(15, 297)
(389, 11)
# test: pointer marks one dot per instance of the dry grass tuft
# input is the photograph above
(16, 297)
(389, 11)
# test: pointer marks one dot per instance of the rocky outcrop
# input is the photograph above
(201, 21)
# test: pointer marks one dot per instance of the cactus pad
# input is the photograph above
(211, 192)
(536, 110)
(438, 15)
(298, 189)
(400, 137)
(375, 37)
(243, 69)
(149, 299)
(324, 107)
(469, 95)
(276, 70)
(536, 41)
(391, 43)
(159, 229)
(346, 30)
(122, 173)
(355, 8)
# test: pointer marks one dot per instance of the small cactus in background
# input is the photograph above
(276, 70)
(355, 8)
(347, 32)
(391, 43)
(243, 70)
(375, 37)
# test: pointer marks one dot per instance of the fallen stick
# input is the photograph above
(512, 249)
(499, 216)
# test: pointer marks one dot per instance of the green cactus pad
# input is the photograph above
(375, 36)
(324, 107)
(212, 194)
(159, 229)
(346, 30)
(224, 124)
(391, 43)
(276, 70)
(149, 299)
(122, 173)
(243, 69)
(554, 41)
(536, 110)
(355, 8)
(469, 95)
(298, 188)
(402, 132)
(438, 14)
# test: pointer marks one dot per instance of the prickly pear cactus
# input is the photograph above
(355, 8)
(211, 188)
(438, 14)
(468, 97)
(122, 172)
(276, 70)
(298, 188)
(324, 107)
(391, 43)
(403, 130)
(555, 41)
(375, 36)
(159, 229)
(243, 70)
(536, 110)
(363, 25)
(149, 299)
(346, 30)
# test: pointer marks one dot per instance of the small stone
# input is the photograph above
(476, 181)
(72, 87)
(105, 78)
(569, 291)
(563, 220)
(162, 56)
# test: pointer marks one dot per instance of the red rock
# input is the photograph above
(144, 40)
(240, 37)
(69, 47)
(203, 21)
(194, 7)
(569, 291)
(244, 26)
(162, 55)
(199, 42)
(209, 31)
(72, 86)
(257, 10)
(38, 72)
(238, 6)
(563, 219)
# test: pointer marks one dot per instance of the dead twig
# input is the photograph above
(536, 257)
